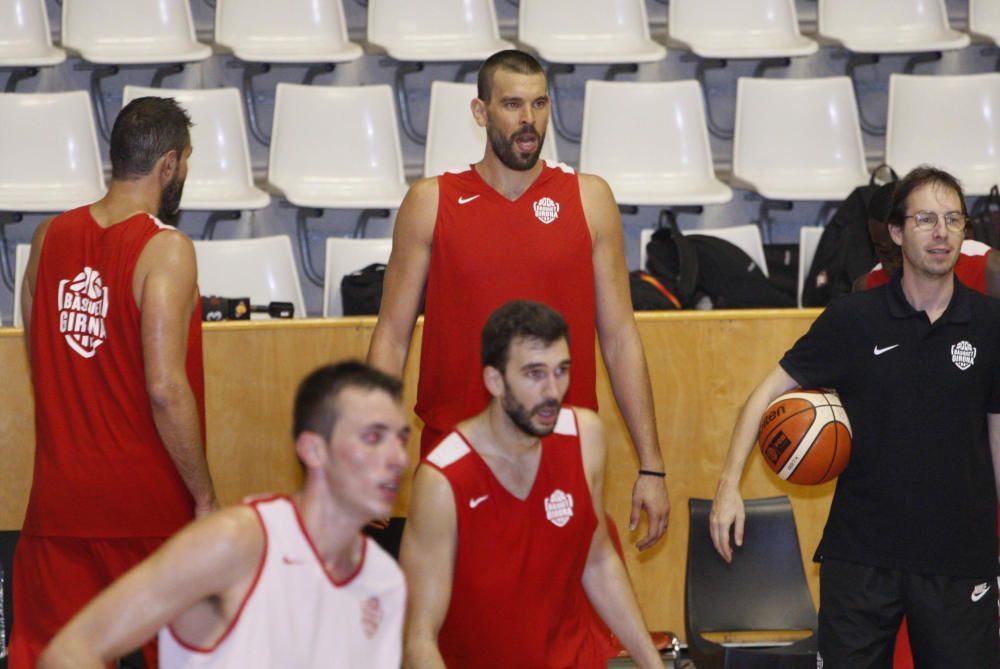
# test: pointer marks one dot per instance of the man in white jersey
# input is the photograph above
(280, 581)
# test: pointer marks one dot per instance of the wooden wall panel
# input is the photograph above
(703, 365)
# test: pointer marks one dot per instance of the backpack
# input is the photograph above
(731, 278)
(672, 261)
(846, 250)
(693, 267)
(649, 294)
(362, 290)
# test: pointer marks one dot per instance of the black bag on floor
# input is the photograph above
(732, 279)
(672, 260)
(362, 290)
(846, 250)
(649, 293)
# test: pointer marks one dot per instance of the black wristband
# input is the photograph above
(648, 472)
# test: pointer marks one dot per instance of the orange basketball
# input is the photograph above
(805, 436)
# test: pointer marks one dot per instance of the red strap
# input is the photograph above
(655, 283)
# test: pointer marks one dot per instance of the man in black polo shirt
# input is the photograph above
(912, 527)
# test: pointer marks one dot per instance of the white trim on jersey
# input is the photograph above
(566, 423)
(451, 449)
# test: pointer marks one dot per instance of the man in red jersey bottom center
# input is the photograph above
(506, 537)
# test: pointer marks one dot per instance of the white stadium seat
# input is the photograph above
(336, 147)
(889, 26)
(809, 237)
(219, 171)
(649, 140)
(738, 28)
(588, 31)
(21, 255)
(295, 31)
(121, 32)
(435, 30)
(346, 255)
(25, 40)
(262, 269)
(798, 139)
(951, 122)
(50, 155)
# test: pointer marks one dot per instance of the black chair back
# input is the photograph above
(764, 588)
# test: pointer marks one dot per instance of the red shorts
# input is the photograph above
(54, 577)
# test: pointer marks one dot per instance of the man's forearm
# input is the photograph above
(626, 364)
(175, 413)
(610, 592)
(385, 353)
(422, 655)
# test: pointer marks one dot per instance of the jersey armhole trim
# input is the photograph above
(246, 598)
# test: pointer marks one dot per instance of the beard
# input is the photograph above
(521, 415)
(506, 150)
(170, 201)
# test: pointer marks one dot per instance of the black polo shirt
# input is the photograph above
(918, 493)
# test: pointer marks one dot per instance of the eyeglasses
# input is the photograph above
(927, 220)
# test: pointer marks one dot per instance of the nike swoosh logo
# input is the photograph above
(979, 592)
(473, 503)
(880, 351)
(467, 200)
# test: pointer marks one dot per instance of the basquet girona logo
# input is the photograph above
(83, 306)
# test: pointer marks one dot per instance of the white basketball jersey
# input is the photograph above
(296, 615)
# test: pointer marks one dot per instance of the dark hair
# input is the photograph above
(145, 129)
(920, 176)
(316, 399)
(510, 60)
(520, 318)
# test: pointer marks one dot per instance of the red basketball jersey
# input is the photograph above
(517, 597)
(101, 470)
(487, 251)
(970, 268)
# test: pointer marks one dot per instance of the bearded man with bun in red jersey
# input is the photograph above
(506, 540)
(113, 325)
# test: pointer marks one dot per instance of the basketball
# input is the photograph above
(805, 436)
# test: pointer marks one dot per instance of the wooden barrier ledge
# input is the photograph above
(702, 365)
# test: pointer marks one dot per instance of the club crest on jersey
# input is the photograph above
(963, 354)
(546, 210)
(371, 616)
(83, 306)
(559, 508)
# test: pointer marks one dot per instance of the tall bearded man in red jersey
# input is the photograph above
(512, 227)
(113, 326)
(506, 538)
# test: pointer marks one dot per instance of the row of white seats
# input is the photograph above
(795, 139)
(560, 31)
(264, 269)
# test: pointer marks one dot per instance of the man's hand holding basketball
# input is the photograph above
(727, 512)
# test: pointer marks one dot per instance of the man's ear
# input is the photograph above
(478, 112)
(896, 234)
(493, 378)
(311, 449)
(168, 165)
